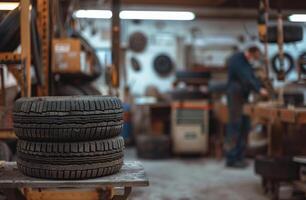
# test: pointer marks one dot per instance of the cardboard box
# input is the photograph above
(66, 55)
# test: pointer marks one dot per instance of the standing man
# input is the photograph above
(241, 81)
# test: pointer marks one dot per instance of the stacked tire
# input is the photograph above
(74, 137)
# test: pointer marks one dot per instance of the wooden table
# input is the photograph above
(131, 175)
(277, 118)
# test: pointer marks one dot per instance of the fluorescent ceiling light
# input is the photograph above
(141, 15)
(297, 18)
(157, 15)
(96, 14)
(8, 5)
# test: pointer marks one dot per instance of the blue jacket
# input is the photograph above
(241, 77)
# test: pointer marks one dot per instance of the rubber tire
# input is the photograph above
(153, 146)
(67, 90)
(89, 89)
(278, 169)
(5, 152)
(69, 172)
(138, 42)
(292, 33)
(136, 66)
(71, 153)
(10, 31)
(76, 118)
(302, 62)
(163, 65)
(275, 67)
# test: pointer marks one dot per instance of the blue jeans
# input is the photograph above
(238, 126)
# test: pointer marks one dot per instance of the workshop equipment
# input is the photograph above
(190, 127)
(294, 94)
(274, 171)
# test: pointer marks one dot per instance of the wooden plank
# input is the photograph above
(221, 112)
(9, 57)
(7, 134)
(43, 21)
(248, 109)
(195, 3)
(288, 116)
(26, 42)
(294, 115)
(301, 117)
(62, 194)
(266, 112)
(132, 174)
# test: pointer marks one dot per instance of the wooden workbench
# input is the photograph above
(280, 122)
(131, 175)
(274, 112)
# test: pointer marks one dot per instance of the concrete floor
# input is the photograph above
(196, 179)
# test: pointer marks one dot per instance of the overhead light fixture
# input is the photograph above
(157, 15)
(141, 15)
(8, 5)
(297, 18)
(95, 14)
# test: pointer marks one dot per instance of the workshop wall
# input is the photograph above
(171, 37)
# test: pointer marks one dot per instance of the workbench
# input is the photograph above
(131, 175)
(280, 121)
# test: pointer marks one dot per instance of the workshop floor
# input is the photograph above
(195, 179)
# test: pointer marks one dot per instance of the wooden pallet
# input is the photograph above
(131, 175)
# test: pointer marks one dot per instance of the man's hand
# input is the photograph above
(263, 92)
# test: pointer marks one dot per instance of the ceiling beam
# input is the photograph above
(190, 3)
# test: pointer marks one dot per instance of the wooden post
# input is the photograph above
(266, 49)
(43, 9)
(3, 95)
(116, 44)
(26, 43)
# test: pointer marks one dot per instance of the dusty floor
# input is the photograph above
(196, 179)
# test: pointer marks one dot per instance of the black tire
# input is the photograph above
(302, 62)
(10, 31)
(153, 146)
(72, 152)
(136, 66)
(67, 90)
(276, 68)
(5, 152)
(163, 65)
(138, 42)
(89, 89)
(278, 169)
(292, 33)
(76, 118)
(69, 172)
